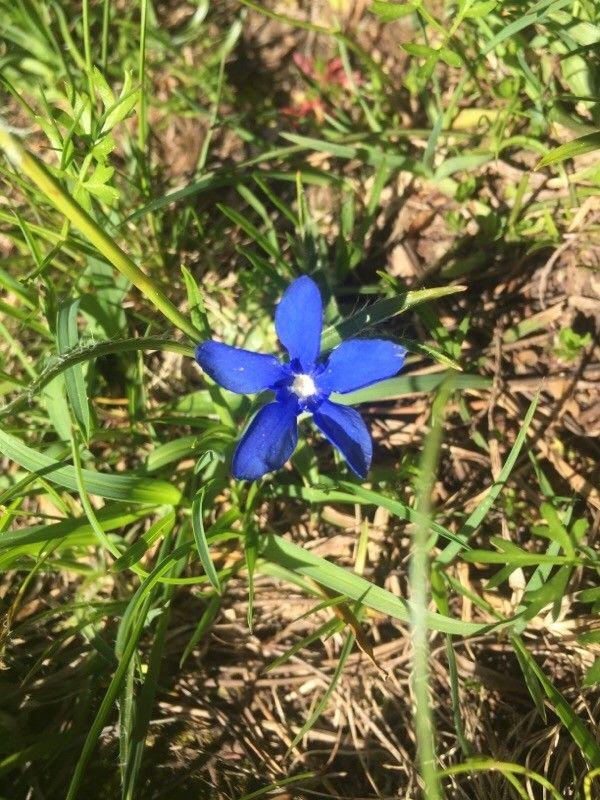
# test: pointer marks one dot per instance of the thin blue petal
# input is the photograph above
(298, 321)
(268, 442)
(357, 363)
(346, 430)
(239, 370)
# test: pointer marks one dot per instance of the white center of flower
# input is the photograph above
(303, 386)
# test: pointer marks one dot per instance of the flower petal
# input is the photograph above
(360, 362)
(239, 370)
(268, 442)
(298, 321)
(346, 430)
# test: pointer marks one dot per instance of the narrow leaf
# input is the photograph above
(201, 543)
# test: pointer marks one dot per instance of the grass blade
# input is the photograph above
(129, 488)
(302, 562)
(68, 338)
(201, 542)
(479, 514)
(380, 311)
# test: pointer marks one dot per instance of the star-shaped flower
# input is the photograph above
(303, 383)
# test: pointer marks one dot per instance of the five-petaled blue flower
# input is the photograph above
(302, 384)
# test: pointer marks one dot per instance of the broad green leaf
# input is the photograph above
(126, 487)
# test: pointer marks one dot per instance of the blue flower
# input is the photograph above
(304, 383)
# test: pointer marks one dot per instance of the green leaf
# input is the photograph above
(576, 147)
(302, 562)
(388, 12)
(573, 723)
(380, 311)
(161, 527)
(592, 676)
(112, 518)
(444, 53)
(478, 515)
(481, 9)
(204, 623)
(201, 543)
(410, 384)
(536, 14)
(67, 337)
(196, 303)
(320, 706)
(121, 109)
(216, 437)
(354, 494)
(556, 530)
(97, 184)
(129, 488)
(516, 559)
(58, 365)
(102, 87)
